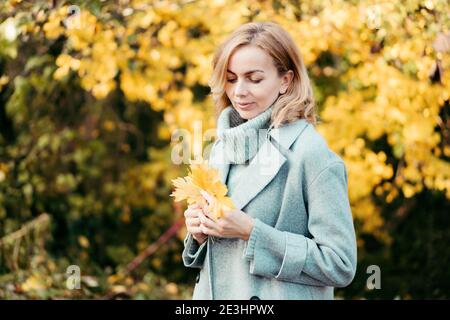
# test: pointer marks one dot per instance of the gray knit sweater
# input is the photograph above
(242, 139)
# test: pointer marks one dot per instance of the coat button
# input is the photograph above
(197, 279)
(255, 298)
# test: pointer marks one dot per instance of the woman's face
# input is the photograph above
(252, 80)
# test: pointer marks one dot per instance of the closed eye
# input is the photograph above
(254, 81)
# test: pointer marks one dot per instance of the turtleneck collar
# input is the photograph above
(241, 138)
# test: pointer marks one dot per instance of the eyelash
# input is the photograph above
(254, 81)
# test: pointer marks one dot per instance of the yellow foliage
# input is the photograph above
(383, 54)
(83, 241)
(34, 282)
(171, 288)
(202, 178)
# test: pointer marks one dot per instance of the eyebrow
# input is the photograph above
(248, 72)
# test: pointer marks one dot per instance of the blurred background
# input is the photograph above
(92, 91)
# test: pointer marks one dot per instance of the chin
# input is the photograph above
(247, 115)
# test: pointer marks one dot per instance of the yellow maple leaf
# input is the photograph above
(217, 205)
(186, 190)
(203, 178)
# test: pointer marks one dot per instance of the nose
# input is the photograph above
(240, 89)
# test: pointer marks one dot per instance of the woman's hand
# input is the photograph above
(192, 215)
(233, 224)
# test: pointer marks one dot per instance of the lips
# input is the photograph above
(244, 105)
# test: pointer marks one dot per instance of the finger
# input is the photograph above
(192, 213)
(211, 224)
(194, 206)
(212, 220)
(188, 214)
(207, 196)
(195, 230)
(207, 214)
(205, 209)
(202, 216)
(209, 231)
(208, 217)
(193, 222)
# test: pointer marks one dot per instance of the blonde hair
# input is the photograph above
(298, 101)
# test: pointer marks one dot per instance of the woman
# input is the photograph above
(291, 235)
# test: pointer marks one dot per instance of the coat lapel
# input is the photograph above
(263, 167)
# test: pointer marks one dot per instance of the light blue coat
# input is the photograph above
(303, 241)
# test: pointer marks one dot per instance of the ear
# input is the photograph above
(286, 80)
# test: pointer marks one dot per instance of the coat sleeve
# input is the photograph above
(193, 254)
(328, 258)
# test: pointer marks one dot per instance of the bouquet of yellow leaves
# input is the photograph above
(203, 178)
